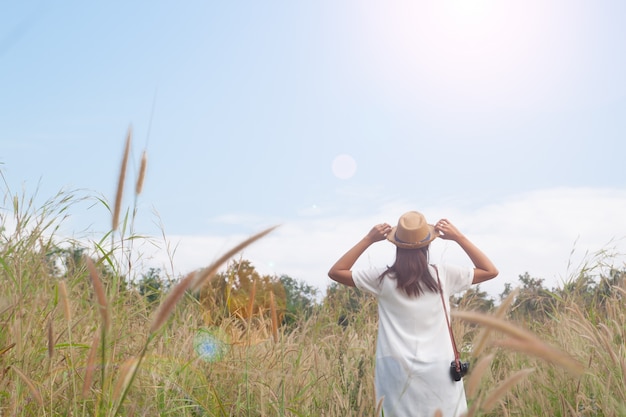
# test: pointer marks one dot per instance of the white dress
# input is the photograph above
(413, 349)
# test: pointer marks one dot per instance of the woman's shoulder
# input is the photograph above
(368, 279)
(372, 270)
(455, 277)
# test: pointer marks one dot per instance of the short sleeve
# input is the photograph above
(457, 278)
(368, 280)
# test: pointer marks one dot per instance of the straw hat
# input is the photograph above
(412, 231)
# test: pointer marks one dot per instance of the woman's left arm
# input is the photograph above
(484, 269)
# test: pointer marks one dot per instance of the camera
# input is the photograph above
(460, 373)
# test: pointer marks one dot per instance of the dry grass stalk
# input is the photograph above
(91, 366)
(496, 395)
(274, 317)
(473, 381)
(99, 291)
(622, 290)
(127, 370)
(31, 386)
(588, 366)
(17, 330)
(481, 339)
(495, 324)
(50, 339)
(65, 301)
(142, 172)
(120, 182)
(167, 306)
(208, 272)
(7, 308)
(506, 304)
(543, 351)
(584, 327)
(605, 340)
(7, 348)
(566, 407)
(195, 280)
(379, 406)
(523, 340)
(251, 301)
(472, 411)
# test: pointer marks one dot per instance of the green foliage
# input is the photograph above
(536, 304)
(346, 304)
(533, 302)
(474, 299)
(300, 300)
(153, 286)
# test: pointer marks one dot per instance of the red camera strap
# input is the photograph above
(445, 310)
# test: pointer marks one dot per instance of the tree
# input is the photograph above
(474, 299)
(64, 262)
(346, 304)
(534, 302)
(588, 293)
(582, 289)
(152, 286)
(299, 299)
(606, 286)
(69, 263)
(242, 292)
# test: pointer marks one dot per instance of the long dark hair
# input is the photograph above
(411, 272)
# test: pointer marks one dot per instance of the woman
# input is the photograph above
(414, 350)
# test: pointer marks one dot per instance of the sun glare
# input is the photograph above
(467, 50)
(470, 8)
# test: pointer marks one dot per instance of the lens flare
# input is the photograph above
(209, 345)
(344, 166)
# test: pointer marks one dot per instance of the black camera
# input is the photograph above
(457, 374)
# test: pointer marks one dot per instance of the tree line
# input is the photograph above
(240, 291)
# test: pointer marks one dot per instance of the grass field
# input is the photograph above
(79, 342)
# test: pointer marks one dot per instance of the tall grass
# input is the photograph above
(83, 344)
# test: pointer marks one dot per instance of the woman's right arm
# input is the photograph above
(484, 269)
(341, 270)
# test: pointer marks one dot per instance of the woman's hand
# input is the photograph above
(484, 269)
(379, 232)
(447, 230)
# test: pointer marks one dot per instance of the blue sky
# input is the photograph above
(507, 118)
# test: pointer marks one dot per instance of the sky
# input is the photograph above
(325, 117)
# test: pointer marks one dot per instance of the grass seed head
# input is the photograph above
(142, 173)
(120, 182)
(31, 386)
(170, 302)
(127, 370)
(65, 301)
(497, 394)
(99, 291)
(91, 366)
(50, 339)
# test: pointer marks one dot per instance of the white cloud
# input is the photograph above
(539, 232)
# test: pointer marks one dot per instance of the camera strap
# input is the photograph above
(457, 360)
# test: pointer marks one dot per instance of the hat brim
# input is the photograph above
(432, 235)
